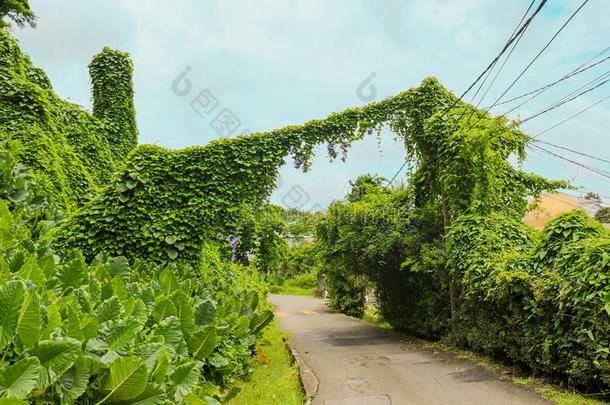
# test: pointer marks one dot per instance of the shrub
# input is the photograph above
(110, 332)
(541, 303)
(603, 215)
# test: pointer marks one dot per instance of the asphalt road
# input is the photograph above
(356, 363)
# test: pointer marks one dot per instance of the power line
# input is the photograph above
(529, 64)
(539, 53)
(563, 101)
(499, 70)
(493, 62)
(570, 117)
(507, 57)
(593, 169)
(542, 89)
(571, 150)
(398, 171)
(590, 83)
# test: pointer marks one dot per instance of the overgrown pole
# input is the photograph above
(447, 224)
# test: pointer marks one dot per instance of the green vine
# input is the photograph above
(72, 152)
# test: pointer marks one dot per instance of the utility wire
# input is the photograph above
(542, 89)
(593, 169)
(589, 85)
(571, 150)
(570, 117)
(505, 60)
(475, 110)
(529, 64)
(398, 171)
(539, 53)
(493, 62)
(558, 104)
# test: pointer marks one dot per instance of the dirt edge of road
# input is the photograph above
(308, 377)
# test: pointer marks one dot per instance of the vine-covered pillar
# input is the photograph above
(111, 77)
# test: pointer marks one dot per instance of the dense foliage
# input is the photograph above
(108, 332)
(72, 152)
(377, 236)
(164, 204)
(603, 215)
(540, 300)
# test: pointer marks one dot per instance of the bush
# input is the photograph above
(541, 303)
(603, 215)
(110, 331)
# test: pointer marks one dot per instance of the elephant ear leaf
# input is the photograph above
(183, 380)
(18, 380)
(251, 300)
(12, 295)
(119, 267)
(184, 312)
(56, 357)
(202, 343)
(73, 383)
(126, 379)
(153, 395)
(205, 313)
(29, 322)
(260, 320)
(13, 401)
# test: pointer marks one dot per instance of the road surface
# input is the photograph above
(359, 363)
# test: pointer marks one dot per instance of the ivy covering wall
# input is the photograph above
(72, 152)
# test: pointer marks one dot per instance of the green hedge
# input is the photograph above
(542, 301)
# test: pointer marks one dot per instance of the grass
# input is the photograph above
(560, 395)
(275, 379)
(290, 290)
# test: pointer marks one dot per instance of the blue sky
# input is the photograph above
(277, 63)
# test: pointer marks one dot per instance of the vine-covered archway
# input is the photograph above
(164, 204)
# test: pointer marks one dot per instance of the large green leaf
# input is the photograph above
(119, 267)
(72, 325)
(13, 401)
(73, 273)
(239, 329)
(159, 372)
(109, 310)
(168, 281)
(169, 329)
(202, 343)
(164, 308)
(19, 379)
(126, 379)
(149, 352)
(251, 300)
(53, 320)
(56, 357)
(29, 322)
(73, 383)
(205, 313)
(114, 339)
(12, 295)
(185, 312)
(31, 271)
(153, 395)
(183, 379)
(260, 320)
